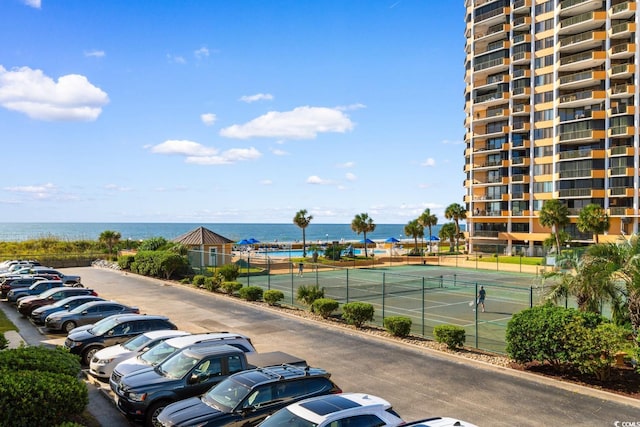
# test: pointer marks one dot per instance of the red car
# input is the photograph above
(27, 304)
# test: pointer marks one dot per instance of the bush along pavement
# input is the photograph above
(398, 326)
(453, 336)
(357, 313)
(324, 307)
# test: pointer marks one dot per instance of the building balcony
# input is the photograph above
(489, 82)
(581, 99)
(621, 192)
(522, 23)
(574, 7)
(520, 213)
(519, 74)
(491, 114)
(581, 154)
(523, 143)
(521, 178)
(582, 60)
(489, 33)
(582, 22)
(484, 132)
(492, 17)
(621, 131)
(622, 71)
(521, 92)
(621, 171)
(622, 51)
(581, 173)
(622, 151)
(491, 67)
(621, 211)
(482, 48)
(580, 193)
(621, 91)
(521, 110)
(521, 6)
(520, 161)
(581, 79)
(491, 98)
(521, 126)
(621, 31)
(521, 58)
(619, 109)
(486, 149)
(521, 38)
(623, 10)
(582, 41)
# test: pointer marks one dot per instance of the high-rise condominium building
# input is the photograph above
(552, 112)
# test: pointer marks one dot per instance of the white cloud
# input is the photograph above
(95, 53)
(115, 187)
(176, 59)
(33, 3)
(345, 165)
(350, 176)
(351, 107)
(71, 98)
(429, 162)
(300, 123)
(38, 192)
(187, 148)
(257, 97)
(316, 180)
(446, 142)
(208, 118)
(278, 152)
(227, 157)
(266, 182)
(201, 53)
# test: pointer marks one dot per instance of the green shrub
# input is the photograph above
(4, 342)
(125, 261)
(185, 281)
(199, 280)
(324, 307)
(230, 272)
(69, 424)
(451, 335)
(38, 398)
(357, 313)
(230, 287)
(57, 360)
(541, 333)
(273, 296)
(308, 294)
(398, 326)
(251, 293)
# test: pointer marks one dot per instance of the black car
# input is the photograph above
(36, 289)
(16, 282)
(248, 397)
(38, 315)
(111, 331)
(27, 304)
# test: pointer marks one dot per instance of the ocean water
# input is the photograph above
(265, 233)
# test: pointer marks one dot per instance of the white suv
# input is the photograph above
(165, 349)
(103, 362)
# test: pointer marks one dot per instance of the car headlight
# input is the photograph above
(104, 361)
(72, 344)
(137, 397)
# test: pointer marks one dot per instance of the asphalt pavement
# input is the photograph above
(418, 382)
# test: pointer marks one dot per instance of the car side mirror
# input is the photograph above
(84, 312)
(193, 379)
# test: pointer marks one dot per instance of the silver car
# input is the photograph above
(85, 314)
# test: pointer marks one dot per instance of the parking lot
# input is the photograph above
(418, 382)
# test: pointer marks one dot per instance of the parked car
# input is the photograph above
(27, 304)
(165, 349)
(86, 314)
(103, 362)
(36, 289)
(15, 282)
(347, 409)
(440, 422)
(111, 331)
(247, 397)
(68, 280)
(38, 315)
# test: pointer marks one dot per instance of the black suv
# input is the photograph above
(248, 397)
(111, 331)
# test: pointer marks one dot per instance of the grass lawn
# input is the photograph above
(5, 324)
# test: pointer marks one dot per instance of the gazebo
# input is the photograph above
(206, 248)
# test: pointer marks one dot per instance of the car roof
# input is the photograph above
(200, 352)
(119, 318)
(317, 409)
(252, 377)
(162, 333)
(440, 422)
(187, 340)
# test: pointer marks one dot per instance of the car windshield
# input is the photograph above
(81, 308)
(136, 342)
(285, 417)
(157, 354)
(177, 366)
(100, 327)
(226, 395)
(48, 293)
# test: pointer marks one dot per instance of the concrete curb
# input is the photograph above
(15, 339)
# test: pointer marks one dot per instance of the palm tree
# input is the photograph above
(456, 212)
(555, 215)
(110, 238)
(448, 232)
(427, 219)
(363, 224)
(414, 229)
(302, 220)
(595, 219)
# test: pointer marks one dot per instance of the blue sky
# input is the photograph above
(230, 111)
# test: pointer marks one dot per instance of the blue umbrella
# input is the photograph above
(244, 242)
(253, 241)
(434, 239)
(392, 240)
(367, 241)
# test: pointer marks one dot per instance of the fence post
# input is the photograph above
(383, 282)
(347, 272)
(423, 314)
(454, 280)
(475, 310)
(530, 296)
(292, 284)
(248, 268)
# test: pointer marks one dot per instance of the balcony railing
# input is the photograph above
(582, 56)
(579, 173)
(487, 233)
(574, 154)
(568, 3)
(571, 78)
(489, 64)
(618, 170)
(620, 8)
(578, 134)
(621, 28)
(490, 14)
(619, 150)
(576, 38)
(575, 192)
(618, 191)
(583, 17)
(488, 97)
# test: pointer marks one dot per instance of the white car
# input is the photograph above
(103, 362)
(440, 422)
(346, 409)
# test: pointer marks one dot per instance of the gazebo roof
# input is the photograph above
(202, 236)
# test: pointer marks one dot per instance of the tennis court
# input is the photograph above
(428, 295)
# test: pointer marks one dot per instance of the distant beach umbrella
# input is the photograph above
(368, 241)
(392, 240)
(244, 242)
(253, 241)
(435, 239)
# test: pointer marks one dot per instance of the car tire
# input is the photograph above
(68, 326)
(151, 417)
(87, 355)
